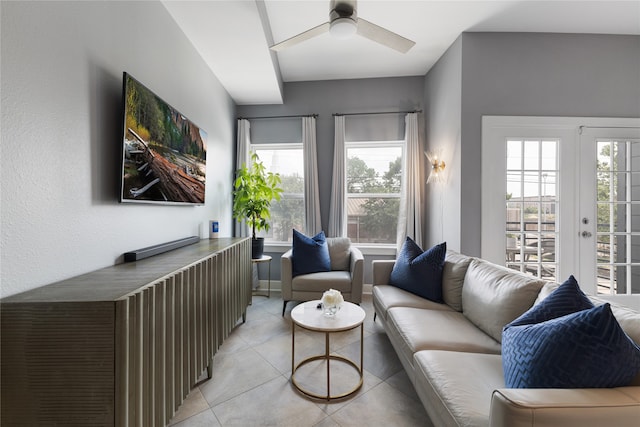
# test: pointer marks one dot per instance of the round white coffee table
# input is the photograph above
(309, 317)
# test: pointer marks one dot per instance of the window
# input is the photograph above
(288, 212)
(374, 177)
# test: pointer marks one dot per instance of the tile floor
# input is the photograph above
(251, 385)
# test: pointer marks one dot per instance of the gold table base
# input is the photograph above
(328, 357)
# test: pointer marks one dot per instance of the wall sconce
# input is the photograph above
(437, 167)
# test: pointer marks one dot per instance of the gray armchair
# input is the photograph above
(346, 275)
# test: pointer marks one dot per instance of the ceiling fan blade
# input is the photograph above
(383, 36)
(315, 31)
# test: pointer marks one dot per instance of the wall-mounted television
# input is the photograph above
(163, 152)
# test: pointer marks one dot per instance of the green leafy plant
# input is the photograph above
(254, 190)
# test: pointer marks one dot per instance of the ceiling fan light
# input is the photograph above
(343, 28)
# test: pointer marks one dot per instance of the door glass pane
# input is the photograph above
(531, 185)
(514, 154)
(618, 222)
(532, 206)
(548, 155)
(532, 155)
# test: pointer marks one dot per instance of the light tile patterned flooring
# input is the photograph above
(251, 378)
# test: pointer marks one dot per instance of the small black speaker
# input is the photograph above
(158, 249)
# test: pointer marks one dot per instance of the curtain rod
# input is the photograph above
(279, 117)
(378, 112)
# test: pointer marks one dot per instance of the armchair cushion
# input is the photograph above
(339, 252)
(420, 272)
(309, 254)
(320, 282)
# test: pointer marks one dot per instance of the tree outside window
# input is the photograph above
(374, 177)
(288, 212)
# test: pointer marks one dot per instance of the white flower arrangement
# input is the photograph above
(331, 302)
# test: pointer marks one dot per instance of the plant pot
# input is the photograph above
(257, 247)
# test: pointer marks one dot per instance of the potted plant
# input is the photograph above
(254, 190)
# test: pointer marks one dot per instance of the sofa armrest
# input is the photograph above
(356, 267)
(382, 270)
(565, 407)
(286, 275)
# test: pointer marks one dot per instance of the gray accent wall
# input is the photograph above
(62, 65)
(443, 106)
(327, 98)
(528, 74)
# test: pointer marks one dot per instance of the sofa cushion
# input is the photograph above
(418, 271)
(493, 296)
(456, 387)
(387, 296)
(586, 349)
(565, 299)
(339, 253)
(309, 254)
(453, 272)
(422, 329)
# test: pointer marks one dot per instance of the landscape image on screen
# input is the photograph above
(164, 155)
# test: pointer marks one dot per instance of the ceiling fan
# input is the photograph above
(343, 23)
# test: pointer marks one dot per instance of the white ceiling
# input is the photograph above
(234, 36)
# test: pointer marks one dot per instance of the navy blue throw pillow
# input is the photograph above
(309, 254)
(586, 349)
(420, 272)
(565, 299)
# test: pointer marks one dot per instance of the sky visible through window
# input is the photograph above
(377, 159)
(284, 161)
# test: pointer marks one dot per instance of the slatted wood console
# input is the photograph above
(124, 345)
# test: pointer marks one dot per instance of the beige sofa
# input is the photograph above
(451, 351)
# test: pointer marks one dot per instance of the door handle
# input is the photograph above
(586, 234)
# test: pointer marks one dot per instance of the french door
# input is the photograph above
(609, 211)
(561, 196)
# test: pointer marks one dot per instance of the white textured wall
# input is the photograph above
(443, 106)
(61, 84)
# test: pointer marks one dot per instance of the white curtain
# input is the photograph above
(409, 221)
(242, 157)
(337, 213)
(312, 222)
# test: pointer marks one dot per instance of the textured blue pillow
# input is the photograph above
(565, 299)
(420, 272)
(309, 254)
(586, 349)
